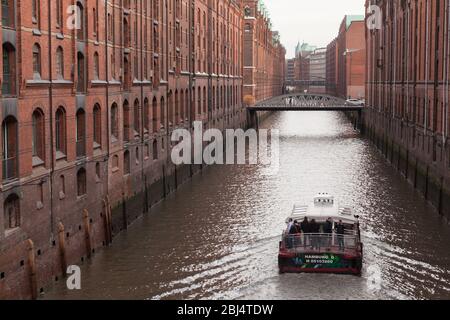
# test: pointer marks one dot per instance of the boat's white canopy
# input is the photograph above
(323, 207)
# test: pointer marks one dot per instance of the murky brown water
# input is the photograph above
(217, 237)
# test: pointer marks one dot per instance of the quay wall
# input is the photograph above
(28, 268)
(421, 157)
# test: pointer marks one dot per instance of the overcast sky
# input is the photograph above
(313, 21)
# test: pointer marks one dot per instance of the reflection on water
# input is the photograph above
(217, 237)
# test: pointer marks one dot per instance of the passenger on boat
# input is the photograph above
(314, 228)
(290, 223)
(289, 238)
(328, 230)
(304, 227)
(298, 233)
(340, 230)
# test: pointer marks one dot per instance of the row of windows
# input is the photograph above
(9, 69)
(177, 114)
(11, 207)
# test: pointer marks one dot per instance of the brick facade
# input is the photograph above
(87, 116)
(346, 59)
(407, 92)
(264, 56)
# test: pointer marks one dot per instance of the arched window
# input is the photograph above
(186, 104)
(36, 61)
(162, 107)
(81, 22)
(192, 104)
(38, 141)
(36, 12)
(81, 133)
(96, 66)
(126, 74)
(97, 125)
(170, 107)
(137, 156)
(59, 14)
(199, 100)
(127, 33)
(60, 63)
(9, 69)
(155, 115)
(204, 100)
(126, 162)
(146, 115)
(81, 84)
(182, 106)
(155, 150)
(114, 121)
(177, 109)
(126, 121)
(60, 130)
(98, 174)
(11, 211)
(8, 13)
(136, 117)
(10, 150)
(81, 182)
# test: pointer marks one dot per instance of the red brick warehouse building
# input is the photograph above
(408, 68)
(346, 59)
(264, 56)
(87, 116)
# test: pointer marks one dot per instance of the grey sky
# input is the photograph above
(313, 21)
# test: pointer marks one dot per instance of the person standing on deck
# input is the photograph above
(304, 227)
(328, 229)
(340, 230)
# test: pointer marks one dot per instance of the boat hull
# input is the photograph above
(314, 262)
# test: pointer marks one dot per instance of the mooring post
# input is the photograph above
(441, 195)
(87, 230)
(107, 221)
(62, 248)
(164, 181)
(32, 266)
(176, 177)
(146, 197)
(110, 221)
(124, 211)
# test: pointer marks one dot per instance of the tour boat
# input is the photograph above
(337, 250)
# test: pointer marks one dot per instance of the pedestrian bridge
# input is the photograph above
(304, 102)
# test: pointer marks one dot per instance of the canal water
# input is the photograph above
(217, 237)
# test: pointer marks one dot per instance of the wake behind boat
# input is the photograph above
(322, 237)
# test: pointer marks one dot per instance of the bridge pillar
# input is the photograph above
(252, 119)
(361, 121)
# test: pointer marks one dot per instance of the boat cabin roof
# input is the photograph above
(323, 207)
